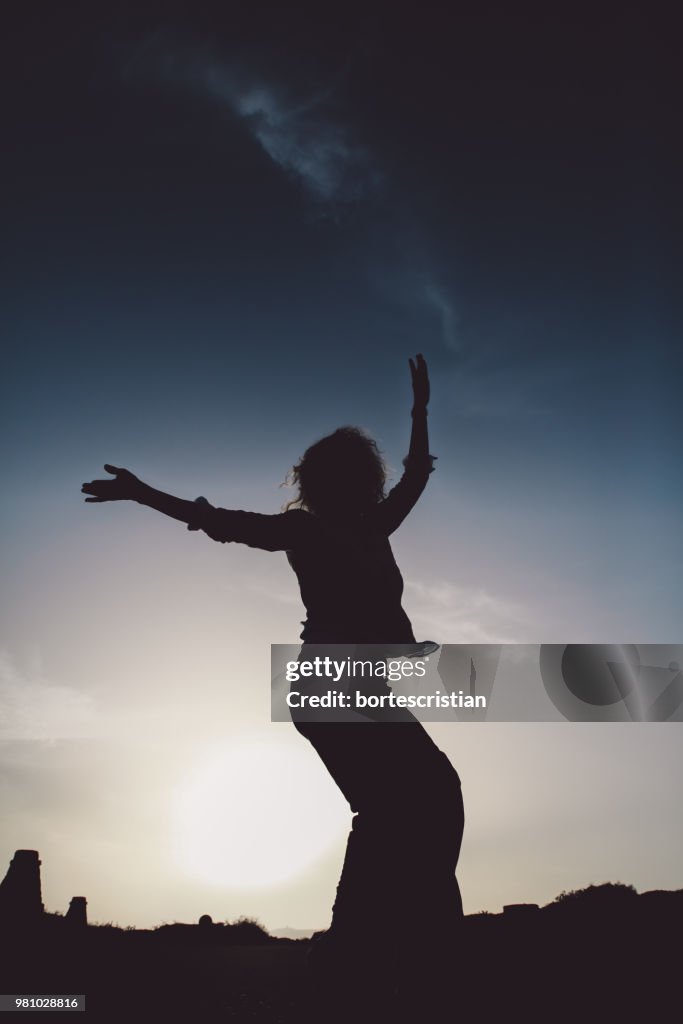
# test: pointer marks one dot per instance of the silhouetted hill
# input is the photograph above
(297, 934)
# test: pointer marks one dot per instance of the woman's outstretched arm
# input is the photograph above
(127, 487)
(269, 532)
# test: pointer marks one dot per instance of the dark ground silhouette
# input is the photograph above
(601, 954)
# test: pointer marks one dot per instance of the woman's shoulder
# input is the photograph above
(299, 521)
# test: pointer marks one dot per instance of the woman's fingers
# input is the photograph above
(96, 487)
(418, 368)
(121, 487)
(420, 379)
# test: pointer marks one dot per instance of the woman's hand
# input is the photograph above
(418, 372)
(125, 486)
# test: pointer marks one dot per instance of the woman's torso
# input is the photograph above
(350, 584)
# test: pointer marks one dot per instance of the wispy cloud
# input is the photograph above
(34, 709)
(408, 277)
(302, 138)
(302, 131)
(310, 137)
(437, 298)
(446, 613)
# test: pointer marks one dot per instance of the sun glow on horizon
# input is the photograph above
(256, 813)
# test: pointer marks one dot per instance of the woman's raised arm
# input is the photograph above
(419, 436)
(388, 515)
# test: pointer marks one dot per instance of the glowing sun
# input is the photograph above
(256, 812)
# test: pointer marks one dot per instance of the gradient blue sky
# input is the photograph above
(224, 237)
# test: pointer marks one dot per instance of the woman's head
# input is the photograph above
(342, 473)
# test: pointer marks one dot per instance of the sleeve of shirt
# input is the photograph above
(280, 532)
(388, 515)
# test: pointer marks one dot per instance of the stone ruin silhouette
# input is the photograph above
(21, 899)
(77, 914)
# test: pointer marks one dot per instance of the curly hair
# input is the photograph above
(345, 463)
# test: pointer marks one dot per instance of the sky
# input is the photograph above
(226, 229)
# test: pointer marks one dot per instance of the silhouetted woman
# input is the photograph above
(397, 898)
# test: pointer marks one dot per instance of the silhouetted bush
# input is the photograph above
(608, 898)
(244, 932)
(248, 930)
